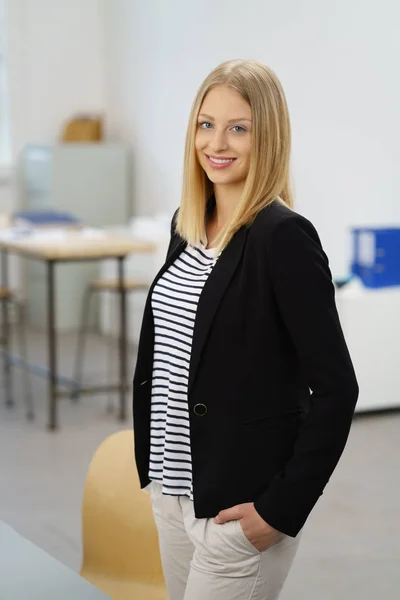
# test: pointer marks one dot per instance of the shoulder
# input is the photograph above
(287, 241)
(277, 222)
(174, 220)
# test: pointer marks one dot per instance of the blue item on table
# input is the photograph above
(46, 217)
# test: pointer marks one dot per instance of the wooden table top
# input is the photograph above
(75, 246)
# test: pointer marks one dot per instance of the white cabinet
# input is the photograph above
(92, 182)
(371, 325)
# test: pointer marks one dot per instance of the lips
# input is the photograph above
(219, 162)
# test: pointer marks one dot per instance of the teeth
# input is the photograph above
(220, 161)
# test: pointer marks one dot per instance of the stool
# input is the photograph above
(100, 285)
(7, 296)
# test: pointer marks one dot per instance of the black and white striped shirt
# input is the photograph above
(174, 304)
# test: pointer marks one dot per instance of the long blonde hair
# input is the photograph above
(268, 177)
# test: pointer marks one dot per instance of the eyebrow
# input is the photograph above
(230, 121)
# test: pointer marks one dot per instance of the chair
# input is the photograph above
(120, 542)
(7, 296)
(101, 285)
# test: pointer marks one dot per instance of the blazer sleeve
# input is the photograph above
(303, 288)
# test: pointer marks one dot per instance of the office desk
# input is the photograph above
(29, 573)
(70, 247)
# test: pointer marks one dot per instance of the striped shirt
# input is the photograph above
(174, 304)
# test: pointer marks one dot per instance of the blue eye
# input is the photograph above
(204, 125)
(208, 125)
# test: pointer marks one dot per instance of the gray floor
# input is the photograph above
(351, 544)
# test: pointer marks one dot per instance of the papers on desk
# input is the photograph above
(50, 235)
(91, 232)
(11, 234)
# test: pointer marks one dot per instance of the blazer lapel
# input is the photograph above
(211, 297)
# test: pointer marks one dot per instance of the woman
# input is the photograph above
(244, 390)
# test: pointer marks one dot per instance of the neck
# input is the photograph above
(226, 200)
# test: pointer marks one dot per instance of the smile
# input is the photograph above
(219, 163)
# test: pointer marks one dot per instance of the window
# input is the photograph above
(4, 120)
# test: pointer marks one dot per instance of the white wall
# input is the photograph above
(337, 61)
(56, 65)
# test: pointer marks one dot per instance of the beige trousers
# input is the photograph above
(205, 561)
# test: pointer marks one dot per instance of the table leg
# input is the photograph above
(52, 346)
(122, 340)
(6, 332)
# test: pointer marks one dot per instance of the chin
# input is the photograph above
(219, 178)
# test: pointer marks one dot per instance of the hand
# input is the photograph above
(257, 531)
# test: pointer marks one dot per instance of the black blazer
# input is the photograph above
(270, 364)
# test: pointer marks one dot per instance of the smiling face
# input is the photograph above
(223, 137)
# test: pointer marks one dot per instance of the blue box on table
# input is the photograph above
(376, 256)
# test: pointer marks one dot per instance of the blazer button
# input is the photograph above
(200, 410)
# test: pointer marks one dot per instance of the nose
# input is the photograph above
(218, 141)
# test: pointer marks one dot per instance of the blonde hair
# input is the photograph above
(268, 177)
